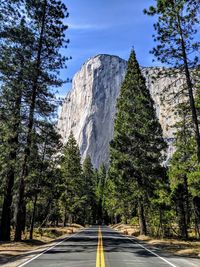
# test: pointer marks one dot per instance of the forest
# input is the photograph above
(46, 183)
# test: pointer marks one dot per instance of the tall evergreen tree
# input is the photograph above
(180, 166)
(178, 44)
(184, 174)
(31, 35)
(45, 19)
(100, 192)
(89, 191)
(43, 161)
(112, 197)
(137, 145)
(15, 54)
(72, 197)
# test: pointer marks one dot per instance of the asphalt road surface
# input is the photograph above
(104, 247)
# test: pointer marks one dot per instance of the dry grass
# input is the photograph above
(177, 247)
(41, 237)
(126, 229)
(174, 246)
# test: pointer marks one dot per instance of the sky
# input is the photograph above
(107, 27)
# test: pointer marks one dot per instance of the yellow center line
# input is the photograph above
(100, 261)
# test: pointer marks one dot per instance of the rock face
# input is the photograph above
(89, 108)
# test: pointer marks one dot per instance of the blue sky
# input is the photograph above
(107, 27)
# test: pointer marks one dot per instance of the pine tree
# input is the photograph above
(43, 161)
(178, 46)
(179, 167)
(184, 175)
(101, 184)
(9, 12)
(89, 191)
(32, 33)
(137, 144)
(15, 53)
(72, 197)
(112, 200)
(45, 19)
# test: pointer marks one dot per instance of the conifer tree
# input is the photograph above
(9, 12)
(101, 184)
(43, 162)
(32, 33)
(177, 44)
(112, 200)
(179, 167)
(184, 175)
(89, 191)
(45, 19)
(136, 148)
(72, 197)
(15, 54)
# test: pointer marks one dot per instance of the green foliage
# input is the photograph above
(72, 198)
(194, 182)
(177, 21)
(89, 186)
(48, 188)
(44, 180)
(101, 193)
(112, 204)
(101, 182)
(136, 149)
(32, 34)
(178, 44)
(184, 175)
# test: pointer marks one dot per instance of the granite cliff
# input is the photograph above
(89, 108)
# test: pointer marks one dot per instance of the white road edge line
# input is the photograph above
(37, 256)
(155, 254)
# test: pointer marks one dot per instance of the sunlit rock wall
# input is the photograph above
(89, 108)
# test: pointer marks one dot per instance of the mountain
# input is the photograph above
(89, 108)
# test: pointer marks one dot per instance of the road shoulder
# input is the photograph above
(13, 254)
(167, 248)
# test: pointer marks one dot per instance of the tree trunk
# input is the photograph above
(115, 219)
(193, 109)
(36, 194)
(7, 202)
(187, 202)
(6, 211)
(65, 218)
(190, 90)
(19, 210)
(33, 216)
(24, 217)
(160, 227)
(183, 230)
(196, 204)
(142, 221)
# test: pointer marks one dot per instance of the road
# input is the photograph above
(104, 247)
